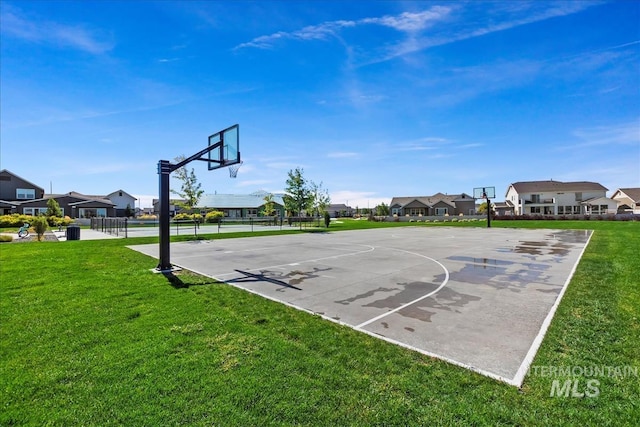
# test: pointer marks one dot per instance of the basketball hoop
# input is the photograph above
(233, 169)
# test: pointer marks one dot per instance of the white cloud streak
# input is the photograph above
(52, 33)
(436, 26)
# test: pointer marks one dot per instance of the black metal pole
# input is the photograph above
(164, 171)
(488, 213)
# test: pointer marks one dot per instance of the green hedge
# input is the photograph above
(16, 220)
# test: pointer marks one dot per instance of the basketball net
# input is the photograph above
(233, 169)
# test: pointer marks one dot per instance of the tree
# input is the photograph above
(482, 209)
(297, 196)
(382, 209)
(53, 208)
(319, 198)
(128, 212)
(268, 209)
(190, 190)
(40, 224)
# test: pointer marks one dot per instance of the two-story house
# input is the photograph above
(559, 198)
(15, 190)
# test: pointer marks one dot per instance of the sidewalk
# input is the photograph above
(86, 234)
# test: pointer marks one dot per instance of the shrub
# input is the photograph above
(5, 238)
(40, 225)
(14, 220)
(213, 216)
(188, 217)
(56, 221)
(327, 219)
(143, 217)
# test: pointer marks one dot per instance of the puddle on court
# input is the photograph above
(558, 244)
(490, 272)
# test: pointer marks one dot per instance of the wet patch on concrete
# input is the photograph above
(365, 295)
(408, 292)
(501, 278)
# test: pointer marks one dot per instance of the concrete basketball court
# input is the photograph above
(481, 298)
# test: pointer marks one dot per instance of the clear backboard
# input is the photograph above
(484, 193)
(227, 148)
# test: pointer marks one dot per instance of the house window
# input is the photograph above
(120, 194)
(604, 208)
(535, 209)
(416, 211)
(252, 213)
(395, 211)
(568, 210)
(535, 198)
(25, 193)
(560, 210)
(34, 211)
(92, 212)
(576, 210)
(442, 211)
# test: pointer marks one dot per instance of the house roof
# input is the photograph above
(118, 191)
(21, 178)
(79, 199)
(632, 193)
(449, 199)
(236, 200)
(598, 200)
(339, 206)
(551, 185)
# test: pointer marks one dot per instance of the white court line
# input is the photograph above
(518, 379)
(442, 285)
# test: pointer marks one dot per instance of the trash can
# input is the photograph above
(73, 232)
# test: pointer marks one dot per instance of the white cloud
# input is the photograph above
(425, 29)
(621, 134)
(410, 21)
(52, 33)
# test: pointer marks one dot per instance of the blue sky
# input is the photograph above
(373, 99)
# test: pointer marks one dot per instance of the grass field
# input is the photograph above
(89, 336)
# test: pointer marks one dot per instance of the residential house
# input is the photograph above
(241, 205)
(14, 190)
(174, 206)
(72, 204)
(502, 208)
(628, 200)
(437, 205)
(559, 198)
(339, 210)
(123, 201)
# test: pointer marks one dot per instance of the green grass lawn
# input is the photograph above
(90, 336)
